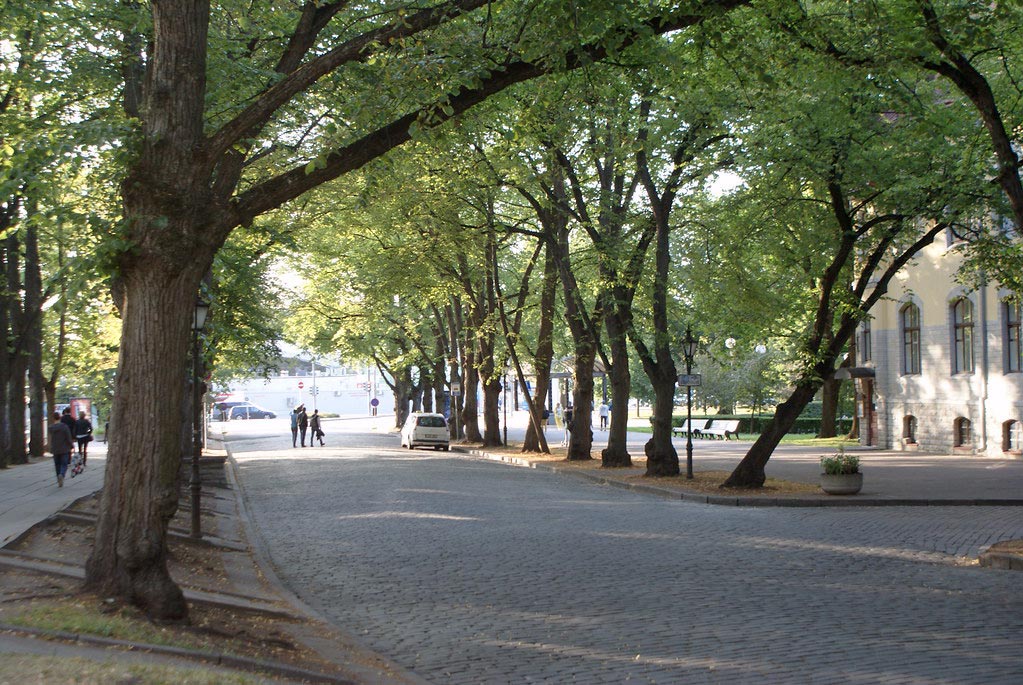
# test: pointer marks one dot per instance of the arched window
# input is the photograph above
(909, 430)
(910, 321)
(1013, 348)
(963, 436)
(962, 337)
(1012, 436)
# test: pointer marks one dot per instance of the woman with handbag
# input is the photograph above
(83, 433)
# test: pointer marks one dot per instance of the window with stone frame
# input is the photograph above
(962, 336)
(909, 317)
(909, 429)
(963, 432)
(1012, 437)
(865, 342)
(1013, 344)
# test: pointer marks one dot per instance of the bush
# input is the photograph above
(840, 464)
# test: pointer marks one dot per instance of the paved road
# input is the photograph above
(466, 571)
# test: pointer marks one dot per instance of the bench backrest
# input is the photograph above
(730, 425)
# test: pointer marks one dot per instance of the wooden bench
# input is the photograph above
(694, 427)
(721, 428)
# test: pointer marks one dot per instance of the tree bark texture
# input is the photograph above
(140, 492)
(616, 454)
(18, 365)
(34, 343)
(544, 356)
(750, 471)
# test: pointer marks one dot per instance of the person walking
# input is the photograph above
(569, 413)
(61, 444)
(303, 424)
(83, 434)
(603, 411)
(314, 428)
(68, 420)
(294, 427)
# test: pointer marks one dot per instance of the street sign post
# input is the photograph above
(456, 389)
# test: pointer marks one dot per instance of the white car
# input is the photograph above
(425, 430)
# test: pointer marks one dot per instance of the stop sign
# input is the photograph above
(301, 385)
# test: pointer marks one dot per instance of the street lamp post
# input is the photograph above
(689, 351)
(195, 483)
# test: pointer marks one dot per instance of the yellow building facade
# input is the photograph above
(940, 363)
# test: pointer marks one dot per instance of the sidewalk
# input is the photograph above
(890, 478)
(243, 585)
(29, 492)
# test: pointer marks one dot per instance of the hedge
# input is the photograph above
(749, 424)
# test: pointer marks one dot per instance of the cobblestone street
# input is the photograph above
(466, 571)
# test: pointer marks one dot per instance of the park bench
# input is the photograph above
(694, 426)
(721, 428)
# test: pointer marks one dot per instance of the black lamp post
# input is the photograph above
(198, 323)
(689, 351)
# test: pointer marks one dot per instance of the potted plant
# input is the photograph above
(840, 473)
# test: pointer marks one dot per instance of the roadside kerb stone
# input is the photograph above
(736, 500)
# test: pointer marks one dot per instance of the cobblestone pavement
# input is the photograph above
(472, 572)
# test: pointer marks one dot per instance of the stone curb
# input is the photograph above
(739, 501)
(1005, 561)
(213, 658)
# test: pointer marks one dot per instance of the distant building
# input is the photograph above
(331, 389)
(939, 365)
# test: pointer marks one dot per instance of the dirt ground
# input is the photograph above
(57, 602)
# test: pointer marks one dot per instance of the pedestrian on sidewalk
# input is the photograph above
(83, 434)
(294, 427)
(68, 420)
(61, 444)
(314, 428)
(303, 424)
(569, 413)
(603, 411)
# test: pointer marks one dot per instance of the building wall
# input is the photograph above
(338, 391)
(989, 396)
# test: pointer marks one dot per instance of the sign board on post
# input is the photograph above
(301, 385)
(456, 388)
(690, 379)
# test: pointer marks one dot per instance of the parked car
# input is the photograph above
(425, 430)
(249, 411)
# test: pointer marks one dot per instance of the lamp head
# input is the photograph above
(202, 308)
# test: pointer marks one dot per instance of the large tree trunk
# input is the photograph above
(662, 458)
(176, 228)
(829, 408)
(34, 343)
(750, 471)
(470, 397)
(140, 492)
(18, 365)
(616, 454)
(581, 440)
(544, 349)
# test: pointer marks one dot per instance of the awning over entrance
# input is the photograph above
(848, 372)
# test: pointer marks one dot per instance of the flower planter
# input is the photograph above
(841, 483)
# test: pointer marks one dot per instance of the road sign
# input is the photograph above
(690, 379)
(456, 388)
(301, 385)
(374, 402)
